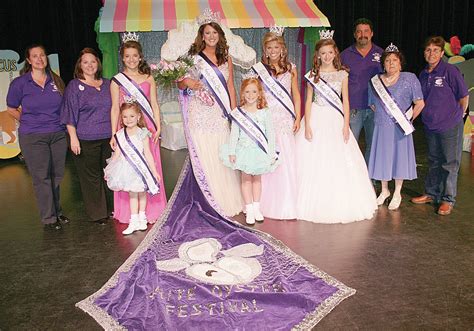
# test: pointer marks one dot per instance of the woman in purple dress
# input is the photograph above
(86, 113)
(397, 99)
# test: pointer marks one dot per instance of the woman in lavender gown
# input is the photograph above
(86, 113)
(393, 155)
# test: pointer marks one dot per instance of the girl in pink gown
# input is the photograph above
(136, 82)
(278, 199)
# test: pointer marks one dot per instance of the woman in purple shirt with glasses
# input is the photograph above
(86, 114)
(34, 99)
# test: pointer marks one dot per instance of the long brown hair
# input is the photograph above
(261, 101)
(222, 49)
(78, 73)
(136, 108)
(315, 70)
(28, 68)
(283, 62)
(143, 67)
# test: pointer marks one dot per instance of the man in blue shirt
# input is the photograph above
(363, 60)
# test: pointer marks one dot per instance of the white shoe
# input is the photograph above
(132, 226)
(395, 203)
(382, 197)
(249, 217)
(257, 213)
(142, 221)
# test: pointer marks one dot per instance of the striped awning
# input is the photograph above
(159, 15)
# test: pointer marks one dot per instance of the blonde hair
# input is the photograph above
(283, 62)
(261, 101)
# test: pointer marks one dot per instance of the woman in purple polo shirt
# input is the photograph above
(446, 100)
(86, 114)
(38, 91)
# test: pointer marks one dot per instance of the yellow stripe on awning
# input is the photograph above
(159, 15)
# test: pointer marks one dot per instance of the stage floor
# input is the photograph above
(412, 269)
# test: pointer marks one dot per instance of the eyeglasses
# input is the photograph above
(433, 50)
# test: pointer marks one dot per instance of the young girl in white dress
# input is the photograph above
(332, 178)
(132, 168)
(251, 148)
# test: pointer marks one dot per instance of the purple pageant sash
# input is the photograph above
(273, 86)
(326, 92)
(137, 161)
(199, 269)
(391, 107)
(131, 88)
(215, 81)
(252, 129)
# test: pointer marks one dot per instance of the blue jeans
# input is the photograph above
(363, 118)
(444, 159)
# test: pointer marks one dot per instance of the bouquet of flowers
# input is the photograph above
(166, 73)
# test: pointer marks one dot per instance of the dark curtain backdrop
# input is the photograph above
(62, 26)
(67, 26)
(406, 23)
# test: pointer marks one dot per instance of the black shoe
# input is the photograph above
(102, 221)
(53, 226)
(63, 219)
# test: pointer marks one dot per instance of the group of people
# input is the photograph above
(260, 155)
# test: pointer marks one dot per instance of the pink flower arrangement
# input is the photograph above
(166, 73)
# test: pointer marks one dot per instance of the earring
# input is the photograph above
(281, 54)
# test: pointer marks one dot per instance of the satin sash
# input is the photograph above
(275, 88)
(134, 91)
(251, 128)
(137, 161)
(326, 92)
(216, 83)
(391, 107)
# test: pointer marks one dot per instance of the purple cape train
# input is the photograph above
(197, 269)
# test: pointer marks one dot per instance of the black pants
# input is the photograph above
(45, 157)
(90, 166)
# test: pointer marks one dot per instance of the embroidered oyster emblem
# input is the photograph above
(376, 57)
(203, 260)
(81, 88)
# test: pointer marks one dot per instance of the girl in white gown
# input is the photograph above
(332, 180)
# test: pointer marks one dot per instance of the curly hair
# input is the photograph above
(222, 49)
(143, 67)
(261, 101)
(136, 108)
(283, 62)
(315, 70)
(398, 54)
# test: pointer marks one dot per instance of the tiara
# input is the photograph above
(326, 34)
(129, 99)
(278, 30)
(391, 48)
(249, 75)
(208, 16)
(130, 36)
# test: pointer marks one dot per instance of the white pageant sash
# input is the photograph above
(216, 83)
(391, 107)
(327, 92)
(275, 88)
(251, 128)
(137, 161)
(134, 91)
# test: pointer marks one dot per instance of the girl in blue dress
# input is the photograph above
(251, 148)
